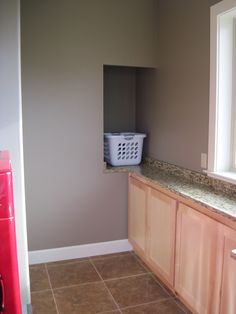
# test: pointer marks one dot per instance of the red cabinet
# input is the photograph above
(10, 302)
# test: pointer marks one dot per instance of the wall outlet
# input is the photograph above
(203, 160)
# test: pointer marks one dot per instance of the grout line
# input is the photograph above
(159, 283)
(63, 263)
(39, 291)
(118, 308)
(51, 289)
(36, 265)
(108, 256)
(110, 279)
(147, 303)
(77, 285)
(124, 277)
(83, 259)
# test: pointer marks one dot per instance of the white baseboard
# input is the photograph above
(78, 251)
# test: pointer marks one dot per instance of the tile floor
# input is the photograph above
(116, 283)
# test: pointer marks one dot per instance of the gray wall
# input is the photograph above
(175, 114)
(70, 200)
(119, 99)
(146, 105)
(11, 126)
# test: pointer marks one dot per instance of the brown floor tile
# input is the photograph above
(182, 306)
(136, 290)
(38, 278)
(85, 299)
(111, 312)
(72, 274)
(141, 262)
(118, 266)
(69, 261)
(43, 303)
(170, 292)
(110, 255)
(162, 307)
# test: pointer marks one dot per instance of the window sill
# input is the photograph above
(224, 176)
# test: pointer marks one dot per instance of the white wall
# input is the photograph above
(11, 123)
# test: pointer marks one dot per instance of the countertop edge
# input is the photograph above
(166, 188)
(209, 209)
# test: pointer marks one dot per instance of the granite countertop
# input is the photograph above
(194, 186)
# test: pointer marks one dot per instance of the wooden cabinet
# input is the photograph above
(152, 217)
(161, 217)
(137, 215)
(199, 244)
(228, 296)
(189, 251)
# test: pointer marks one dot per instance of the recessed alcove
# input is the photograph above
(128, 95)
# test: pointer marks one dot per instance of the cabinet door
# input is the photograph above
(161, 217)
(198, 260)
(137, 215)
(228, 297)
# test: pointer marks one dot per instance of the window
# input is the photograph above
(222, 115)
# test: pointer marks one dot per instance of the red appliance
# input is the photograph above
(10, 302)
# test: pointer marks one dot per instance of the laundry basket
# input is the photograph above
(121, 149)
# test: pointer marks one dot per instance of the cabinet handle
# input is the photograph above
(233, 254)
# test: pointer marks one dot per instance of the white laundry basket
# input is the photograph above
(121, 149)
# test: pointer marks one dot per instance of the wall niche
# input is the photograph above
(127, 93)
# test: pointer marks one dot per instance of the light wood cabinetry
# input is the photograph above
(161, 217)
(137, 215)
(228, 296)
(191, 252)
(198, 259)
(152, 217)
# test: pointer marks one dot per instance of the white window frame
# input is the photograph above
(222, 111)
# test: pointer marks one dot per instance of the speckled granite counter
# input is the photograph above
(215, 195)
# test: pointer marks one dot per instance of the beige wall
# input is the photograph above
(175, 114)
(146, 105)
(64, 46)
